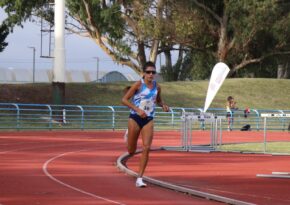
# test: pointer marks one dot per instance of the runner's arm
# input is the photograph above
(129, 94)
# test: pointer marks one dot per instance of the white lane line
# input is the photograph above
(44, 168)
(7, 151)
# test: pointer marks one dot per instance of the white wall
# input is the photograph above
(17, 75)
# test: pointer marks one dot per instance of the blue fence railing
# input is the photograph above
(44, 116)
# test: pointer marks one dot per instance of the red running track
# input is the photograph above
(73, 168)
(79, 168)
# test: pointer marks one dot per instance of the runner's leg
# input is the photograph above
(147, 136)
(133, 135)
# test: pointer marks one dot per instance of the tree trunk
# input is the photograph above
(168, 64)
(283, 71)
(141, 54)
(222, 48)
(223, 39)
(178, 66)
(154, 51)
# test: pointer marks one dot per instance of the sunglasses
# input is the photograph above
(150, 72)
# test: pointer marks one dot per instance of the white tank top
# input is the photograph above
(145, 99)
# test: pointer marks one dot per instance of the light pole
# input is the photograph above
(98, 62)
(33, 69)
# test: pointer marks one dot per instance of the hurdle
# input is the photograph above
(188, 119)
(271, 115)
(283, 175)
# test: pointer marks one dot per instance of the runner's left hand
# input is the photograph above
(165, 108)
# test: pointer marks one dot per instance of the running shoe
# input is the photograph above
(140, 183)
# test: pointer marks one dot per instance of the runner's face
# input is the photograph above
(150, 73)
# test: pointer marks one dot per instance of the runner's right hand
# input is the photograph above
(141, 113)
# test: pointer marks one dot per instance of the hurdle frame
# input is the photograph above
(187, 121)
(270, 115)
(280, 175)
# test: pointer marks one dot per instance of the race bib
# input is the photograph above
(147, 106)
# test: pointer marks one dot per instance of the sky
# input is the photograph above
(81, 52)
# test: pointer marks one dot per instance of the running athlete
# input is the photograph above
(142, 98)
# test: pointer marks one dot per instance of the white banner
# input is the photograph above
(218, 75)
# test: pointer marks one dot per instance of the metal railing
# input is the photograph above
(17, 116)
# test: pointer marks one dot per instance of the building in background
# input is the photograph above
(25, 75)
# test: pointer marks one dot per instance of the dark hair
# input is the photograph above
(230, 98)
(148, 64)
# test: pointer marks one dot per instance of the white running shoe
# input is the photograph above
(126, 136)
(140, 183)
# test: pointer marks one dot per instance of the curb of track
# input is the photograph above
(121, 164)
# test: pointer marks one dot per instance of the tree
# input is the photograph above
(3, 34)
(239, 33)
(245, 32)
(117, 28)
(130, 32)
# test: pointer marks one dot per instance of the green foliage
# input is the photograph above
(194, 66)
(202, 64)
(101, 18)
(106, 19)
(265, 69)
(254, 24)
(255, 31)
(19, 10)
(185, 69)
(3, 34)
(172, 74)
(166, 73)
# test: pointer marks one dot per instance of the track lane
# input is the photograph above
(92, 170)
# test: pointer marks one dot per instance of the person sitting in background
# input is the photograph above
(246, 112)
